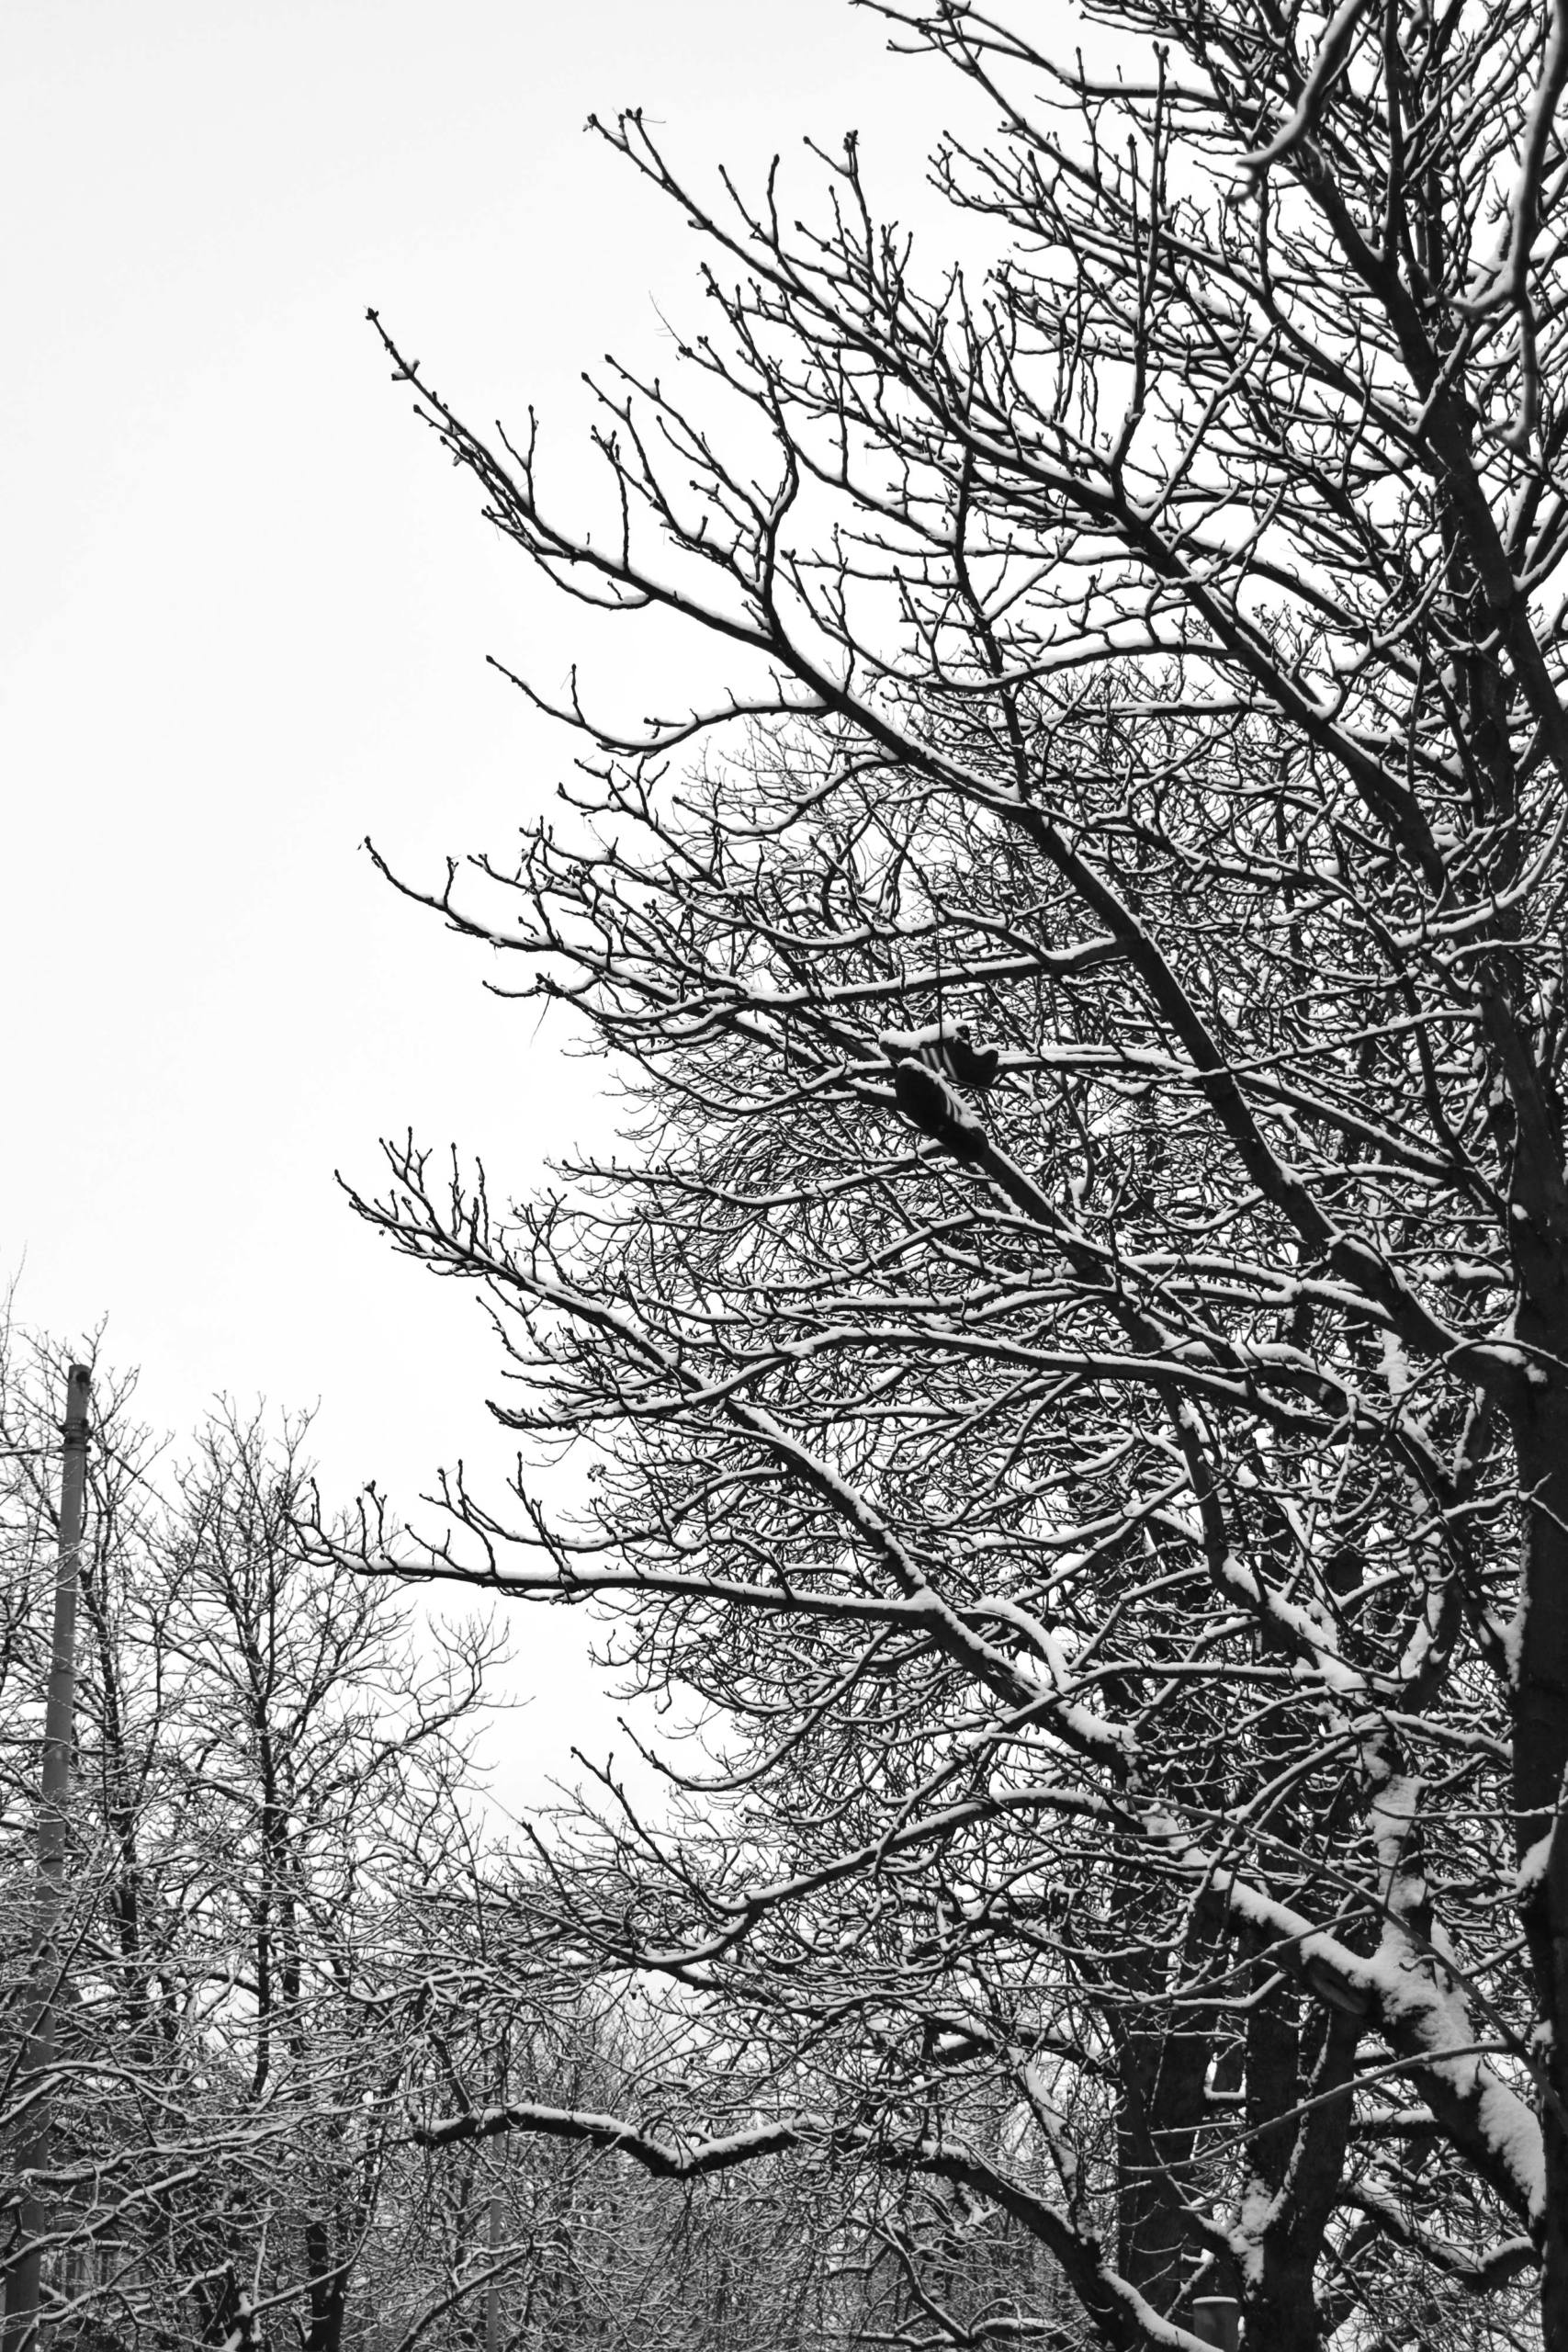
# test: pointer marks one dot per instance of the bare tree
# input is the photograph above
(269, 1814)
(290, 1944)
(1080, 1365)
(557, 2242)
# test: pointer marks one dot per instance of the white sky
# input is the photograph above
(243, 611)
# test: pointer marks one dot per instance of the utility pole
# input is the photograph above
(492, 2291)
(24, 2274)
(495, 2217)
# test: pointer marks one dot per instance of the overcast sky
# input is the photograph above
(243, 611)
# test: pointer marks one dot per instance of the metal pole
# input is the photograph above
(495, 2231)
(24, 2277)
(492, 2293)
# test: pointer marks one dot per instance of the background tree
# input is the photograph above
(268, 1809)
(292, 1942)
(1080, 1365)
(578, 2243)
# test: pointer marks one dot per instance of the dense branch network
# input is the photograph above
(1076, 1367)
